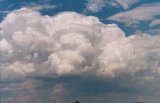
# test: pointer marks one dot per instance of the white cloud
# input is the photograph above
(5, 46)
(21, 68)
(75, 45)
(155, 23)
(16, 70)
(126, 3)
(144, 12)
(70, 43)
(98, 5)
(37, 7)
(95, 5)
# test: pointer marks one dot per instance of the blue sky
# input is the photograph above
(99, 51)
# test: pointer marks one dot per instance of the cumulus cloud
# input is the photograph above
(5, 46)
(98, 5)
(55, 46)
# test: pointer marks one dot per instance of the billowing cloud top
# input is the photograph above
(72, 44)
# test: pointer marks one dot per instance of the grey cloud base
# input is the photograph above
(70, 44)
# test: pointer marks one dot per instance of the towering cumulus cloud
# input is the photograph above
(70, 43)
(42, 57)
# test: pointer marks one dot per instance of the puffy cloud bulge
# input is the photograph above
(72, 44)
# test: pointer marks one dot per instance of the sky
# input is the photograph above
(93, 51)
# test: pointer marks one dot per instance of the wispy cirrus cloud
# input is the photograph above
(98, 5)
(144, 12)
(40, 7)
(154, 23)
(34, 5)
